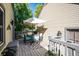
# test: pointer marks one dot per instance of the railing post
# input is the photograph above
(70, 51)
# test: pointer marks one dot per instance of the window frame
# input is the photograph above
(3, 25)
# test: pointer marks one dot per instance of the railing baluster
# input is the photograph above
(59, 50)
(73, 48)
(77, 52)
(56, 48)
(72, 52)
(49, 37)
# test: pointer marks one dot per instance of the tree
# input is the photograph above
(21, 12)
(38, 9)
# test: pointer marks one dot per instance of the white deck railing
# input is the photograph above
(71, 49)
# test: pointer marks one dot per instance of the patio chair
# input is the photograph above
(29, 38)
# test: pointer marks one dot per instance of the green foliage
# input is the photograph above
(29, 26)
(21, 12)
(9, 51)
(40, 29)
(38, 9)
(50, 53)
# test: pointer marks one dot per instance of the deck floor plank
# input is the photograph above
(30, 50)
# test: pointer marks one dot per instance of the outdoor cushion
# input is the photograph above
(29, 38)
(36, 37)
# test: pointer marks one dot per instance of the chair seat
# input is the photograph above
(29, 38)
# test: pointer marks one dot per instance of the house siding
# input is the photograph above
(8, 18)
(59, 16)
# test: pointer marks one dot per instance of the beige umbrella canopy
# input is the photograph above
(28, 20)
(38, 21)
(34, 21)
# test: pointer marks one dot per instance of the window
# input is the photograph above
(73, 35)
(1, 25)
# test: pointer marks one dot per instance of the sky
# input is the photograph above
(33, 7)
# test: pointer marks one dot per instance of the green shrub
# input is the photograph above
(50, 53)
(9, 51)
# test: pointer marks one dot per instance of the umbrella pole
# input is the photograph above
(32, 28)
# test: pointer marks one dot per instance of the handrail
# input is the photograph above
(71, 45)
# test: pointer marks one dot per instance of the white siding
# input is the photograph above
(58, 17)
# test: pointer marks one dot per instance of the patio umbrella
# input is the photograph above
(28, 20)
(37, 21)
(34, 21)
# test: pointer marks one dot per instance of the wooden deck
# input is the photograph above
(30, 50)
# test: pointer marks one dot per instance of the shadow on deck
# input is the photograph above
(30, 50)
